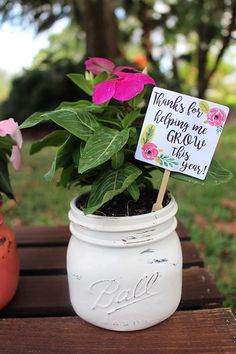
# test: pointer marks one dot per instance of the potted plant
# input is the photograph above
(124, 262)
(10, 145)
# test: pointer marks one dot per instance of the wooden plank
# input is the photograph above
(182, 231)
(191, 257)
(199, 290)
(42, 235)
(51, 235)
(43, 260)
(48, 295)
(195, 332)
(40, 296)
(52, 259)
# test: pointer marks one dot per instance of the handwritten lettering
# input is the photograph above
(185, 140)
(181, 153)
(176, 105)
(193, 109)
(111, 296)
(168, 121)
(182, 131)
(191, 166)
(200, 129)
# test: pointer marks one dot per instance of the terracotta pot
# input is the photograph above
(124, 273)
(9, 264)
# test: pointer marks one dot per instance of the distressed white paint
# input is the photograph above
(124, 273)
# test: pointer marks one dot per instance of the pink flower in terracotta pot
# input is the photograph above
(149, 151)
(216, 117)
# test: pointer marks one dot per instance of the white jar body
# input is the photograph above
(124, 279)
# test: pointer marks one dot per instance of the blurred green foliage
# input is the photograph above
(41, 90)
(4, 85)
(185, 42)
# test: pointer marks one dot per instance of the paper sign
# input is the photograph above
(180, 132)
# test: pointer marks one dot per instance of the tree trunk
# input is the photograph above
(101, 29)
(204, 74)
(144, 17)
(202, 81)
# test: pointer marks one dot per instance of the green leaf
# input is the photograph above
(34, 119)
(203, 105)
(109, 184)
(101, 147)
(100, 77)
(80, 81)
(75, 104)
(76, 154)
(76, 121)
(66, 176)
(130, 118)
(133, 136)
(134, 191)
(5, 184)
(6, 144)
(148, 134)
(63, 157)
(82, 104)
(56, 138)
(117, 159)
(216, 175)
(110, 120)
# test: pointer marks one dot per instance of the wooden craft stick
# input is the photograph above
(158, 205)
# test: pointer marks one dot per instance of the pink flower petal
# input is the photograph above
(16, 157)
(121, 68)
(130, 85)
(146, 79)
(127, 88)
(17, 137)
(104, 91)
(8, 126)
(143, 78)
(97, 65)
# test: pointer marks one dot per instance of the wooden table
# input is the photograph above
(40, 318)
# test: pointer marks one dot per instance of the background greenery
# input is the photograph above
(193, 54)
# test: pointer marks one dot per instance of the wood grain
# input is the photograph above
(47, 295)
(193, 332)
(42, 235)
(27, 325)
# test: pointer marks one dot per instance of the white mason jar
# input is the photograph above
(124, 273)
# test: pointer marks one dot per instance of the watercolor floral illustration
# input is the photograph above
(150, 151)
(215, 116)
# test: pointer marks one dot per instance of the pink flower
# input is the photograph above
(149, 151)
(98, 65)
(122, 88)
(10, 127)
(216, 117)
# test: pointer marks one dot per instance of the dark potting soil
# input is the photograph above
(124, 205)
